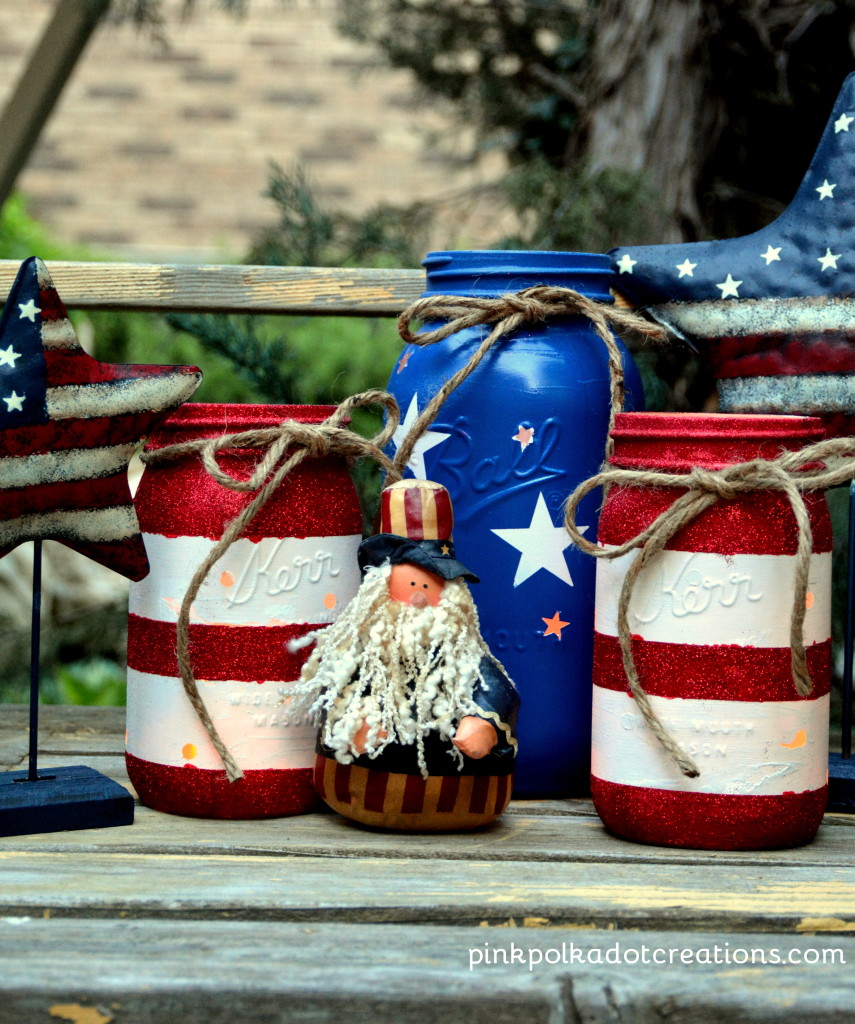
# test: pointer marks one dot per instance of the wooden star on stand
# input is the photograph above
(68, 428)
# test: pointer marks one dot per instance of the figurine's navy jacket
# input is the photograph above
(496, 701)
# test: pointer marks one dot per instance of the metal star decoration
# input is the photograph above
(773, 310)
(68, 428)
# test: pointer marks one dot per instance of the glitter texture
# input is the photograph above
(217, 652)
(180, 501)
(202, 793)
(760, 524)
(711, 671)
(709, 821)
(317, 499)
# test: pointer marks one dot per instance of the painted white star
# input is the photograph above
(729, 287)
(770, 255)
(8, 356)
(626, 263)
(829, 260)
(429, 439)
(842, 123)
(686, 268)
(541, 545)
(28, 309)
(15, 402)
(825, 190)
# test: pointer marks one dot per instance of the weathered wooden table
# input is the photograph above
(315, 919)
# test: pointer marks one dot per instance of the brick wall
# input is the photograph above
(163, 154)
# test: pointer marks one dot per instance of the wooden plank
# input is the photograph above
(65, 720)
(63, 730)
(229, 289)
(270, 888)
(173, 970)
(532, 830)
(518, 836)
(111, 765)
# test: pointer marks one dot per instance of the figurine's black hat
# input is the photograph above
(416, 519)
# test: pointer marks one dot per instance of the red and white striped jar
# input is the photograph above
(291, 571)
(710, 620)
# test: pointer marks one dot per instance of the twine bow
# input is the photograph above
(506, 314)
(792, 473)
(279, 459)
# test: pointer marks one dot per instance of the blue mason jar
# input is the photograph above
(510, 444)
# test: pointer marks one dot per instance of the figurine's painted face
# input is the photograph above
(413, 585)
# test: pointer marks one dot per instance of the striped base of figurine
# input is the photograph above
(409, 803)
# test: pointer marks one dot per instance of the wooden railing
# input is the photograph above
(162, 288)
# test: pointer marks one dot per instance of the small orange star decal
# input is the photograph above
(525, 436)
(445, 549)
(405, 358)
(554, 625)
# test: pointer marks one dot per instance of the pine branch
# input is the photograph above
(268, 364)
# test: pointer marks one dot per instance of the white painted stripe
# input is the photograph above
(732, 318)
(685, 597)
(253, 719)
(117, 398)
(270, 582)
(59, 334)
(818, 393)
(94, 525)
(62, 466)
(740, 747)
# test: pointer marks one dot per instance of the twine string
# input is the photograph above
(280, 457)
(505, 315)
(815, 467)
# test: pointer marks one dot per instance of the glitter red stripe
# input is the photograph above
(765, 525)
(317, 500)
(708, 821)
(711, 672)
(253, 653)
(205, 793)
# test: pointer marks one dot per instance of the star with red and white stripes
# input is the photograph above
(69, 425)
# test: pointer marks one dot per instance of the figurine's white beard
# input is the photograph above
(403, 670)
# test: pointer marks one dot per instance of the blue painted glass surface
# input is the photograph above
(510, 445)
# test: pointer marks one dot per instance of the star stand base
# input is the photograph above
(841, 784)
(61, 799)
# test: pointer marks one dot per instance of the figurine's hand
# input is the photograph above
(361, 735)
(475, 737)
